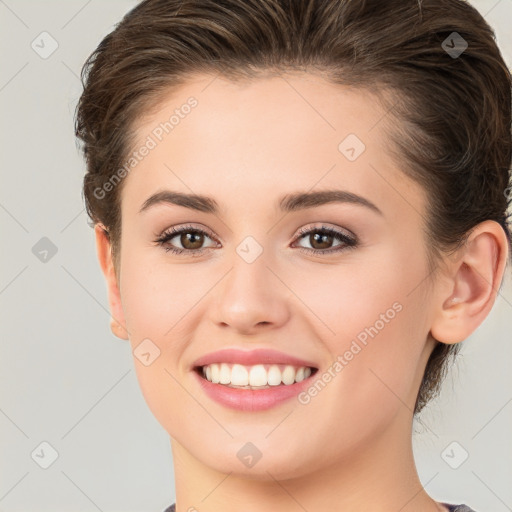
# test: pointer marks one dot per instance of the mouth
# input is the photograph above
(254, 377)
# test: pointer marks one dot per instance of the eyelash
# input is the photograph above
(348, 242)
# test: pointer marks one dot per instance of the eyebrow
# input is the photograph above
(287, 203)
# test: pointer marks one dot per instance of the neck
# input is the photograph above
(380, 476)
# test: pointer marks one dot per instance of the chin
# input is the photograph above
(277, 464)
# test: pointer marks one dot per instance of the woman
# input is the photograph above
(300, 210)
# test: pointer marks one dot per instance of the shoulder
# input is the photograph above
(451, 508)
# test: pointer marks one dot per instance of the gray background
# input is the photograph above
(67, 381)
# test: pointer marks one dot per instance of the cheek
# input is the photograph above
(373, 318)
(156, 295)
(363, 290)
(152, 303)
(373, 374)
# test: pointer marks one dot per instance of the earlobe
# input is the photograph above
(473, 283)
(103, 249)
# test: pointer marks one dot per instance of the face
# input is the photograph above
(255, 274)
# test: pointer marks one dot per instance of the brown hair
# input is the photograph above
(449, 115)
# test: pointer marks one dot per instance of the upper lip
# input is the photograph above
(252, 357)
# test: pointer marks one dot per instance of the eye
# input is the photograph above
(321, 239)
(190, 238)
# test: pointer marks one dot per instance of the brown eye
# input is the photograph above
(322, 239)
(189, 238)
(192, 240)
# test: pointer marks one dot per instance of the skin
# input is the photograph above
(246, 144)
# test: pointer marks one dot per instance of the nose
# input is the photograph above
(251, 298)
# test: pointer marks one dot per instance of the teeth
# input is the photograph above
(257, 376)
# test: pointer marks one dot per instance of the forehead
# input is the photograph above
(300, 102)
(249, 141)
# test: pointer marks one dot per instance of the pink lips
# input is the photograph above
(252, 357)
(251, 399)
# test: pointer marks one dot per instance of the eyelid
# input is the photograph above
(325, 226)
(191, 227)
(177, 230)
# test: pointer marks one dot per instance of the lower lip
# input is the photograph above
(251, 399)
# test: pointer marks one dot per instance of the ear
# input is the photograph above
(473, 281)
(103, 248)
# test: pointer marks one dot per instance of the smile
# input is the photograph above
(259, 376)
